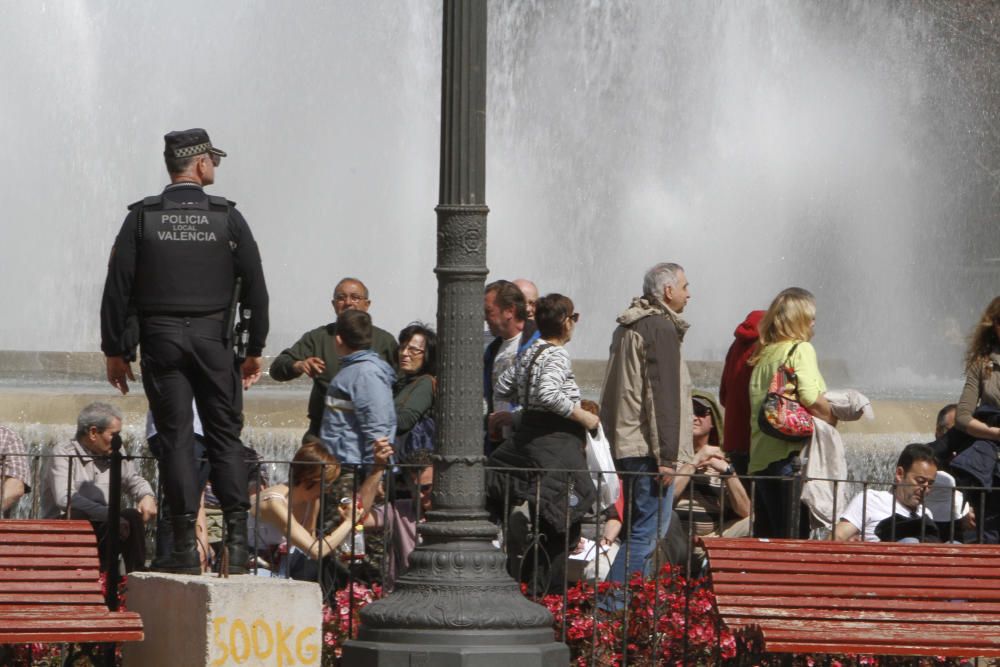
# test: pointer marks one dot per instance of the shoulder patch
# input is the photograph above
(220, 201)
(154, 200)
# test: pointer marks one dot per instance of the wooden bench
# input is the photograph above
(860, 598)
(50, 590)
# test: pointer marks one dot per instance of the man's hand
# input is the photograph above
(250, 369)
(666, 475)
(496, 423)
(119, 373)
(383, 451)
(311, 366)
(968, 521)
(147, 508)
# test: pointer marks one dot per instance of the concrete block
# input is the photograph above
(206, 620)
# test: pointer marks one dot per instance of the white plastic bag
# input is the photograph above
(602, 469)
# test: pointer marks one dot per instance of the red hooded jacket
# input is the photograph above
(734, 388)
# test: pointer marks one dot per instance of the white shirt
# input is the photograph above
(879, 508)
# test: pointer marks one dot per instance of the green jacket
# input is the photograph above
(414, 397)
(320, 343)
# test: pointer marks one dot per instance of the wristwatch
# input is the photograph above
(729, 472)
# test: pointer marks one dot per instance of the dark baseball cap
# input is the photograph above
(188, 143)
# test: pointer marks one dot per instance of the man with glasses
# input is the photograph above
(315, 353)
(899, 515)
(172, 279)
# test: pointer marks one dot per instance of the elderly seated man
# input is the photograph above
(84, 463)
(881, 516)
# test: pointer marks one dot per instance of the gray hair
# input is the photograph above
(660, 277)
(350, 279)
(99, 415)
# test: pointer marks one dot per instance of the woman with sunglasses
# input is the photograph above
(709, 498)
(287, 513)
(981, 397)
(549, 435)
(414, 390)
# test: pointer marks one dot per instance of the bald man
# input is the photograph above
(315, 353)
(530, 292)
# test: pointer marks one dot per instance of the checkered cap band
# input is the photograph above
(190, 151)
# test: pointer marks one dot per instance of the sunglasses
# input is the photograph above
(426, 487)
(701, 411)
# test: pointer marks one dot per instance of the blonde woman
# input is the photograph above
(785, 335)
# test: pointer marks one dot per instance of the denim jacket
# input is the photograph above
(359, 408)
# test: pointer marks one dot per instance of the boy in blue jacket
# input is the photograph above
(359, 407)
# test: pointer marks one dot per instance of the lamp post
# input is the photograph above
(456, 605)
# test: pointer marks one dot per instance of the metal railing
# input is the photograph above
(531, 545)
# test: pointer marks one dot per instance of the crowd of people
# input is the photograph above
(684, 468)
(364, 465)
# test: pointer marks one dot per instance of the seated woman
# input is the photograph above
(290, 510)
(707, 489)
(414, 390)
(549, 436)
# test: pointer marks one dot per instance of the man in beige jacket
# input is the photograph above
(646, 410)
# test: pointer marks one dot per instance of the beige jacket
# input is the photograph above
(646, 401)
(91, 481)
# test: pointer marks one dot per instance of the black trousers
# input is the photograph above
(185, 358)
(132, 546)
(164, 531)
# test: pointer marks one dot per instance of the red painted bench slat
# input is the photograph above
(38, 551)
(46, 575)
(29, 540)
(853, 597)
(776, 602)
(79, 636)
(50, 598)
(50, 589)
(88, 562)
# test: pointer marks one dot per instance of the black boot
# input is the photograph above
(183, 558)
(236, 541)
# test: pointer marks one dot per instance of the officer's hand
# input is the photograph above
(250, 369)
(147, 507)
(119, 372)
(311, 366)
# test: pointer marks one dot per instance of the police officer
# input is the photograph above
(171, 279)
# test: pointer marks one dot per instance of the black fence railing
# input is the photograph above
(565, 565)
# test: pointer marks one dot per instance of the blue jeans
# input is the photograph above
(651, 506)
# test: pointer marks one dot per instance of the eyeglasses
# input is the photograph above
(700, 410)
(412, 351)
(353, 298)
(424, 488)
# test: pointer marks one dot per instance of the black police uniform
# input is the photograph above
(175, 273)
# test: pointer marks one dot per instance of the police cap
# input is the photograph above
(188, 143)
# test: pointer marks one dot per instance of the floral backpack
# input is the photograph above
(781, 415)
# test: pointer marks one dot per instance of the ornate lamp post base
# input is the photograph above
(456, 607)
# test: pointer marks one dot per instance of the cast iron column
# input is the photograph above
(457, 606)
